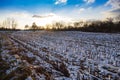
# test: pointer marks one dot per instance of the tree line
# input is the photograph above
(9, 24)
(110, 25)
(95, 26)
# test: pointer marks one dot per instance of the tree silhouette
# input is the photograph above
(9, 23)
(13, 23)
(34, 26)
(59, 25)
(117, 18)
(26, 26)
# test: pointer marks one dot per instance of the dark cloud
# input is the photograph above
(115, 10)
(113, 3)
(38, 16)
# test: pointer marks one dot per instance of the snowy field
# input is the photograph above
(59, 55)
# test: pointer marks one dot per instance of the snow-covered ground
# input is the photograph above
(65, 55)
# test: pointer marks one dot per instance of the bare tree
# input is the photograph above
(13, 23)
(10, 23)
(59, 25)
(34, 26)
(26, 26)
(110, 20)
(117, 18)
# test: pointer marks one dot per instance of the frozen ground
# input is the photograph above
(61, 55)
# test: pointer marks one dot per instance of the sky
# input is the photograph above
(48, 11)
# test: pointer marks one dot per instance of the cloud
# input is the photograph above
(83, 13)
(43, 16)
(23, 18)
(60, 2)
(115, 8)
(113, 3)
(89, 1)
(81, 10)
(112, 13)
